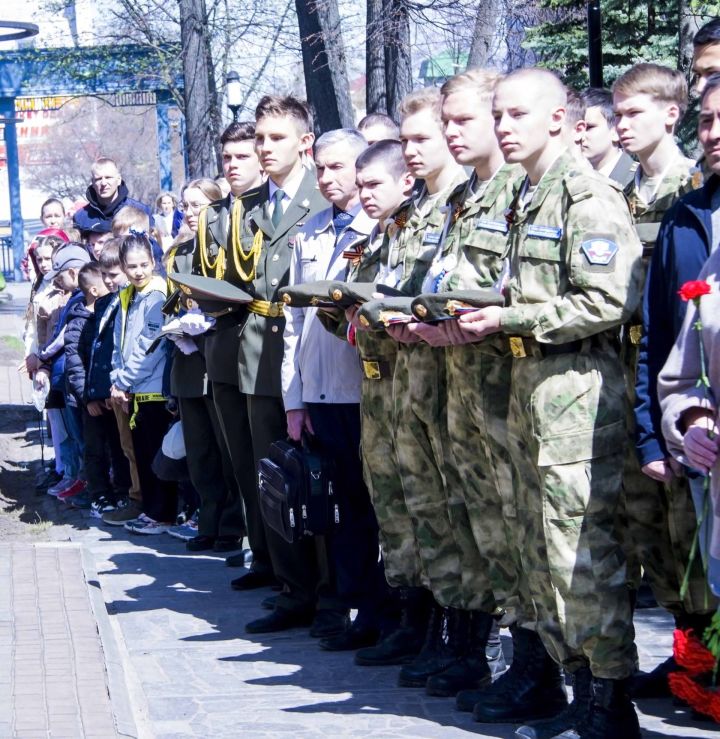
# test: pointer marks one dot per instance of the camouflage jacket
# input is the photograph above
(412, 243)
(574, 258)
(682, 177)
(475, 246)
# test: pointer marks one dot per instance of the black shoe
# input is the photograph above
(654, 684)
(329, 622)
(612, 713)
(571, 719)
(269, 603)
(279, 620)
(351, 639)
(404, 643)
(472, 670)
(533, 687)
(200, 543)
(435, 655)
(253, 580)
(226, 544)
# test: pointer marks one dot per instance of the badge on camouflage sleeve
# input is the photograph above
(598, 251)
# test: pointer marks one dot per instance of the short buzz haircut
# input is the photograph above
(285, 106)
(480, 81)
(712, 84)
(110, 254)
(387, 152)
(380, 119)
(574, 108)
(129, 217)
(426, 98)
(600, 97)
(90, 274)
(708, 34)
(103, 162)
(662, 84)
(351, 137)
(238, 131)
(548, 82)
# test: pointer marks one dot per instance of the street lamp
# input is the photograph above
(234, 93)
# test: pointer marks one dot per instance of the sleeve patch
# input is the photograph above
(599, 252)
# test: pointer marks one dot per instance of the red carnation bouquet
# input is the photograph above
(698, 654)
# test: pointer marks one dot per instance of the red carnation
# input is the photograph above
(694, 289)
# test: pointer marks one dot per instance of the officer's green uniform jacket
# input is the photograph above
(570, 277)
(221, 344)
(260, 351)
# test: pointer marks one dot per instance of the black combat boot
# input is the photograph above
(612, 713)
(532, 688)
(402, 644)
(572, 718)
(472, 669)
(438, 652)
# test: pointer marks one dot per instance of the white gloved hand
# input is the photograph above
(185, 345)
(195, 322)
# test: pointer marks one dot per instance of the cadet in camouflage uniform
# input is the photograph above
(472, 256)
(419, 388)
(574, 279)
(659, 507)
(384, 185)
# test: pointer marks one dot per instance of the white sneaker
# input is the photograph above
(139, 522)
(60, 487)
(149, 526)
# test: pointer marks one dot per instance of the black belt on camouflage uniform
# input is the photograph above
(525, 346)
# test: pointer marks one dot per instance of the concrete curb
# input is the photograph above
(117, 659)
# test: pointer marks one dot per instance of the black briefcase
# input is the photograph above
(295, 483)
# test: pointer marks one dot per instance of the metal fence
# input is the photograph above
(7, 259)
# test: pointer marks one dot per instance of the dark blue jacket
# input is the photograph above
(96, 348)
(682, 248)
(75, 369)
(56, 361)
(94, 213)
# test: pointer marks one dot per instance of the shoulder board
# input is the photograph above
(252, 192)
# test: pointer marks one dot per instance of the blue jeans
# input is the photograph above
(72, 448)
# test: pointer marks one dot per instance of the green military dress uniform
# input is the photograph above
(209, 463)
(378, 354)
(575, 277)
(419, 413)
(263, 273)
(661, 517)
(221, 349)
(472, 257)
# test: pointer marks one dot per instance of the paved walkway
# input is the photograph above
(152, 643)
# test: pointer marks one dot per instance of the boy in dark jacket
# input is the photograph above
(88, 349)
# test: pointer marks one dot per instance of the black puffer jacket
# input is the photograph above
(75, 369)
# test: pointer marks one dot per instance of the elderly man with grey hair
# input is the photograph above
(321, 381)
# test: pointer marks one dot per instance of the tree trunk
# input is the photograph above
(486, 19)
(324, 64)
(375, 90)
(398, 62)
(202, 115)
(688, 26)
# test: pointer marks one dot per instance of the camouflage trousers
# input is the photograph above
(478, 381)
(426, 466)
(399, 547)
(567, 438)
